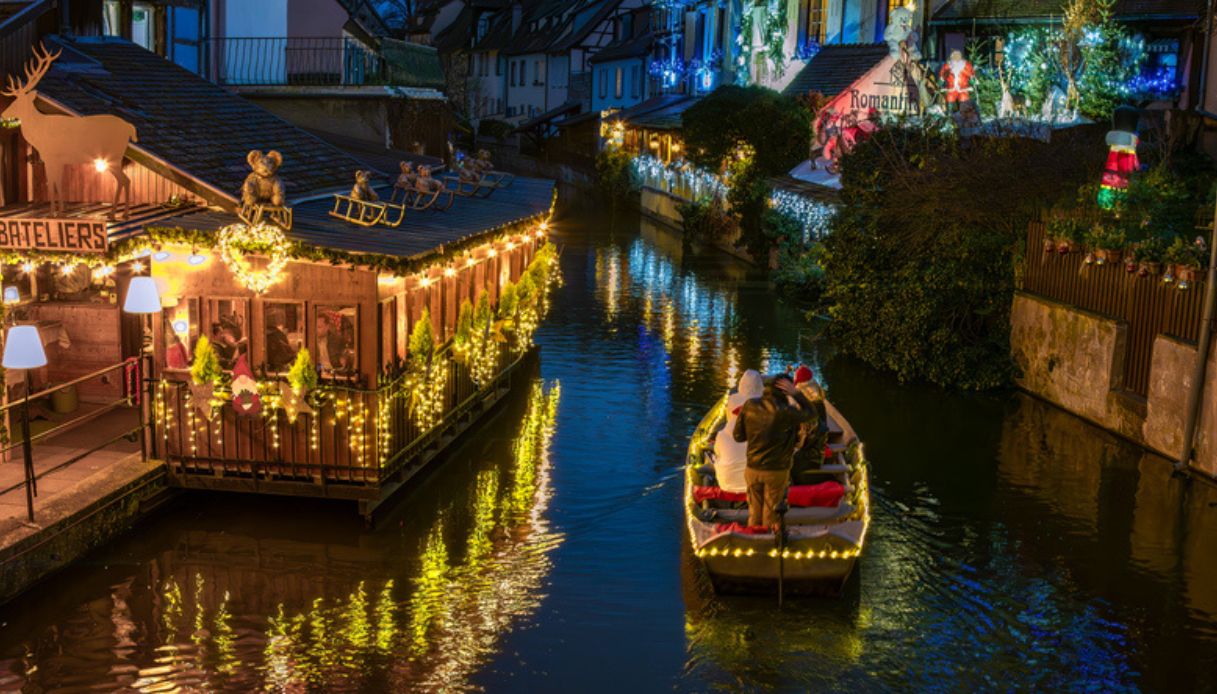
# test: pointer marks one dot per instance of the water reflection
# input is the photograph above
(233, 612)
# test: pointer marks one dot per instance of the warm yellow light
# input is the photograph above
(492, 253)
(544, 225)
(511, 246)
(101, 165)
(27, 267)
(66, 269)
(424, 282)
(449, 272)
(470, 263)
(137, 266)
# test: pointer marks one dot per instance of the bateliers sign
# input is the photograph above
(64, 235)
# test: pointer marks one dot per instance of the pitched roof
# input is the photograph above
(421, 232)
(603, 9)
(1012, 11)
(836, 67)
(194, 126)
(628, 47)
(666, 117)
(545, 23)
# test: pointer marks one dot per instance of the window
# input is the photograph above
(181, 331)
(284, 327)
(812, 25)
(619, 89)
(635, 82)
(513, 74)
(523, 72)
(603, 82)
(143, 26)
(538, 73)
(498, 65)
(388, 332)
(335, 339)
(228, 330)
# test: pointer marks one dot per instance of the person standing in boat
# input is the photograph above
(770, 425)
(731, 456)
(813, 435)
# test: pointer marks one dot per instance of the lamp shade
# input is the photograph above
(11, 295)
(142, 296)
(23, 348)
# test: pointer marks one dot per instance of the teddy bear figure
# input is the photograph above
(363, 188)
(262, 187)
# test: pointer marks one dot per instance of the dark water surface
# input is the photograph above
(1013, 546)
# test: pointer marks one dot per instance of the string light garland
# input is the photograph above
(813, 216)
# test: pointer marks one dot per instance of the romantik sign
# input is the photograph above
(85, 235)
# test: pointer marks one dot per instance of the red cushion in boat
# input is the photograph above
(822, 494)
(743, 529)
(701, 494)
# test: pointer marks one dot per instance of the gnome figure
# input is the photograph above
(1122, 158)
(245, 398)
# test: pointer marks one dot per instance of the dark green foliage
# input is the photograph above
(777, 127)
(749, 202)
(497, 129)
(799, 272)
(614, 174)
(920, 262)
(704, 220)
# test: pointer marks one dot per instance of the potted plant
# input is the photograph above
(1150, 253)
(1184, 260)
(1065, 234)
(1107, 241)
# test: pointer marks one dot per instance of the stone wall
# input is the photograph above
(1075, 359)
(1170, 380)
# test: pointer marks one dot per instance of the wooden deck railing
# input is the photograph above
(346, 441)
(1149, 306)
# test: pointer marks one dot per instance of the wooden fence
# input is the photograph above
(1148, 305)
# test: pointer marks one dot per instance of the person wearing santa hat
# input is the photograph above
(813, 435)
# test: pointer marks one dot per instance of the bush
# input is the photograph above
(799, 272)
(919, 267)
(704, 220)
(614, 174)
(778, 128)
(497, 129)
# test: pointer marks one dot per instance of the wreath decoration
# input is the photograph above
(235, 241)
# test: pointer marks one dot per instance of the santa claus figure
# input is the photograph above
(1122, 158)
(956, 79)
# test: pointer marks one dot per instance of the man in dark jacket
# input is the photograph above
(770, 426)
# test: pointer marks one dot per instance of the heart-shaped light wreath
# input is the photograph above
(236, 240)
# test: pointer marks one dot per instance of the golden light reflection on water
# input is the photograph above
(464, 598)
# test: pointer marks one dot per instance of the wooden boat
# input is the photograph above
(820, 546)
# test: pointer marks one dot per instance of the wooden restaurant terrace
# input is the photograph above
(291, 352)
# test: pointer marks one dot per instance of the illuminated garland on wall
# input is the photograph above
(773, 39)
(813, 216)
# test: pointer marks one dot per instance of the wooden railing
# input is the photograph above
(1148, 305)
(21, 31)
(357, 437)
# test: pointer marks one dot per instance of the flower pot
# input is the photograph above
(1130, 265)
(1114, 256)
(1186, 273)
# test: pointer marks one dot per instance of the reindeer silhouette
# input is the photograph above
(65, 140)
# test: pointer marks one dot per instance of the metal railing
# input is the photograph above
(1149, 306)
(354, 437)
(303, 61)
(124, 378)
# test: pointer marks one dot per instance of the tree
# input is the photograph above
(778, 128)
(920, 264)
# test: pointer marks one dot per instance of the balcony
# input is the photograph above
(295, 61)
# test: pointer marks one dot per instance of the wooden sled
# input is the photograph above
(440, 198)
(479, 189)
(365, 213)
(254, 215)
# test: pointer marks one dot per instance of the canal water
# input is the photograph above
(1013, 546)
